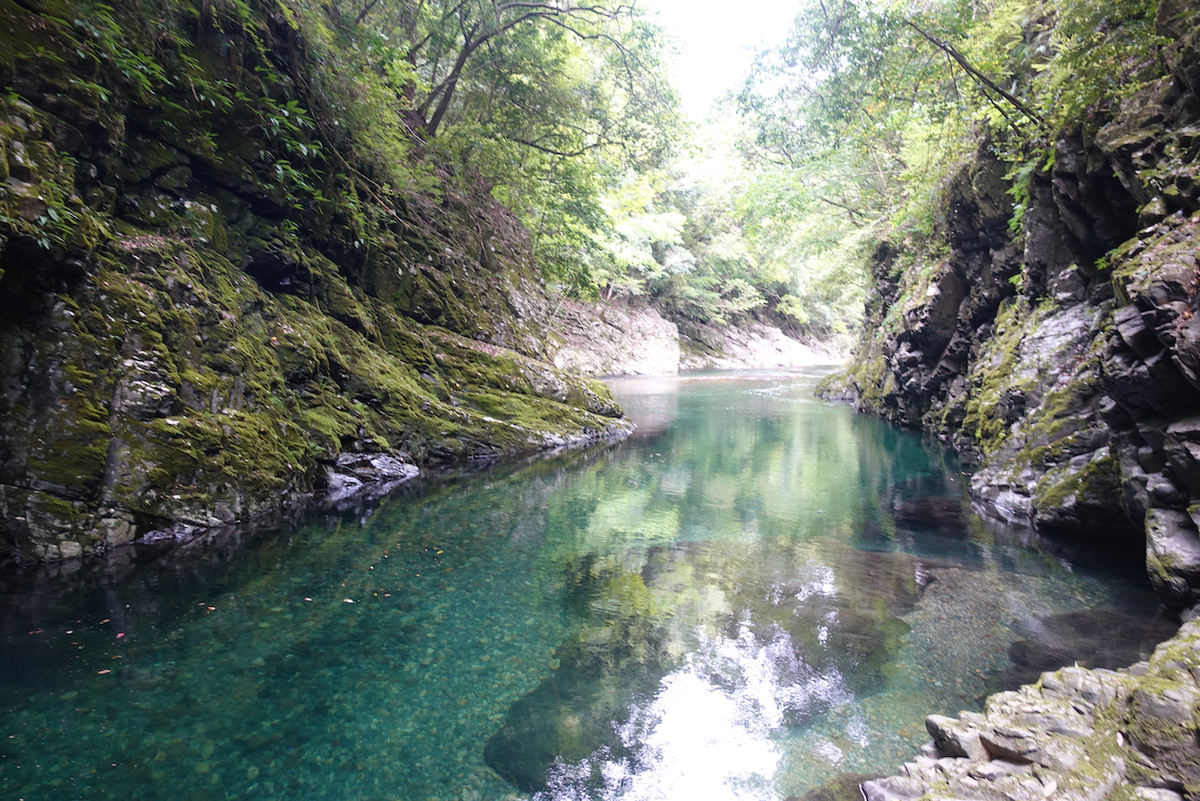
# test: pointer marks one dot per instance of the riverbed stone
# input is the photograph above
(1156, 794)
(351, 473)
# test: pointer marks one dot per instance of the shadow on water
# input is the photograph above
(753, 596)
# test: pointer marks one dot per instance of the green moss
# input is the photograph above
(868, 377)
(151, 158)
(994, 374)
(69, 512)
(234, 394)
(75, 458)
(1160, 566)
(1097, 479)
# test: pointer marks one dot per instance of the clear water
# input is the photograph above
(752, 595)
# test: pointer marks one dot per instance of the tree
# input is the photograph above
(457, 47)
(544, 102)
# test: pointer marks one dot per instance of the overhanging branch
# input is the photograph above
(951, 51)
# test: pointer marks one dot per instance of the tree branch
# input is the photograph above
(950, 50)
(555, 152)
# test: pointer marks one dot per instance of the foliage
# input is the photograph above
(359, 111)
(1073, 61)
(868, 107)
(545, 102)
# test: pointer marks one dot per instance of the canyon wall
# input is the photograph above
(1066, 363)
(1066, 360)
(206, 316)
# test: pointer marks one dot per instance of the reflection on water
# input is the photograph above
(708, 731)
(752, 596)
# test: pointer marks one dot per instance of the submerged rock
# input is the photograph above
(931, 511)
(1092, 638)
(843, 788)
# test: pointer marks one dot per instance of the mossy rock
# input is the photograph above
(196, 332)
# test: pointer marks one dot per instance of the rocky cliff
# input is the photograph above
(1066, 361)
(631, 337)
(208, 311)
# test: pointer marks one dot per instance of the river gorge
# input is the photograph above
(753, 595)
(311, 488)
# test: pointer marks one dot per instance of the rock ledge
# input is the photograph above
(1076, 734)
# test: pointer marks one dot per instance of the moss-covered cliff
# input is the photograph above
(1064, 359)
(212, 300)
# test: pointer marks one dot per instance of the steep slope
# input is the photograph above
(1066, 361)
(213, 304)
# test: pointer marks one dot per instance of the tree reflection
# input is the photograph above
(725, 575)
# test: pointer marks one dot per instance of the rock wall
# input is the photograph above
(629, 337)
(1067, 363)
(752, 345)
(1076, 734)
(184, 344)
(624, 338)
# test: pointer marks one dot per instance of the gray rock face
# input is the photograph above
(628, 338)
(1075, 734)
(1067, 367)
(1077, 389)
(351, 473)
(750, 345)
(1173, 557)
(615, 340)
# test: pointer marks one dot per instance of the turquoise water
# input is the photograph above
(752, 595)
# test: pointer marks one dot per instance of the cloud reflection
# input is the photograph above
(709, 731)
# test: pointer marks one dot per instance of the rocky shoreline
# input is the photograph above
(184, 345)
(1076, 734)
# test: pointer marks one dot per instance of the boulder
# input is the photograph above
(1075, 734)
(1173, 557)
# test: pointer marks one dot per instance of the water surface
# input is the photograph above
(755, 593)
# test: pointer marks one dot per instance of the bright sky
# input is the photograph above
(716, 40)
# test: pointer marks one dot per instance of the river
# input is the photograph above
(753, 595)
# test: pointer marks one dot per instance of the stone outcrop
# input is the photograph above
(212, 306)
(1068, 366)
(751, 345)
(1075, 734)
(622, 338)
(629, 337)
(1067, 363)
